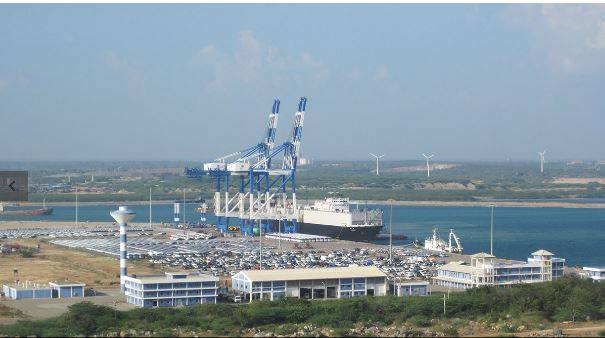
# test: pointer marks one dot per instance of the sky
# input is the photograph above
(194, 82)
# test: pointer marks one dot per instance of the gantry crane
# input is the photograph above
(264, 194)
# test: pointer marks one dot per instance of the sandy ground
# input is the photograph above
(48, 308)
(57, 263)
(578, 180)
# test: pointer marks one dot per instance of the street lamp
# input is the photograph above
(491, 231)
(391, 233)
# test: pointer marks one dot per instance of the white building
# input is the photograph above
(410, 288)
(321, 283)
(170, 289)
(484, 270)
(594, 273)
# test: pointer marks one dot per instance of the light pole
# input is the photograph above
(76, 205)
(491, 232)
(184, 202)
(149, 205)
(279, 237)
(260, 239)
(391, 234)
(150, 188)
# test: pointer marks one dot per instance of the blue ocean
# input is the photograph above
(576, 234)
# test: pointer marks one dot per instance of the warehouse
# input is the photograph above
(67, 289)
(170, 289)
(26, 290)
(320, 283)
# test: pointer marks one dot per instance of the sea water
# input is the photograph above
(576, 234)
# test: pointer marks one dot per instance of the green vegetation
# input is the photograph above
(526, 306)
(27, 252)
(399, 180)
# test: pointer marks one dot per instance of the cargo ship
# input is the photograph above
(334, 218)
(44, 211)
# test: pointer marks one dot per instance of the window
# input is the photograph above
(331, 292)
(305, 293)
(208, 284)
(150, 286)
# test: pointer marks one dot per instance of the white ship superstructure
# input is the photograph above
(334, 217)
(435, 243)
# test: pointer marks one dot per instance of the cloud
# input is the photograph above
(254, 63)
(120, 65)
(571, 36)
(381, 73)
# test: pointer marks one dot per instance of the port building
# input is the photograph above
(596, 273)
(486, 269)
(406, 288)
(67, 289)
(29, 290)
(170, 289)
(317, 283)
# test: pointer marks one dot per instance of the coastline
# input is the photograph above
(517, 204)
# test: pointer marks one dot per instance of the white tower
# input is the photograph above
(177, 212)
(377, 158)
(123, 215)
(541, 155)
(428, 167)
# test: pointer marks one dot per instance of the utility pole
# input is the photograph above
(491, 232)
(76, 205)
(184, 217)
(150, 206)
(444, 304)
(279, 237)
(260, 239)
(391, 234)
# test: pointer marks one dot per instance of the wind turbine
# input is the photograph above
(541, 155)
(428, 167)
(377, 158)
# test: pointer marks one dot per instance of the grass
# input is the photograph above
(552, 302)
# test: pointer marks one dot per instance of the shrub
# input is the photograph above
(420, 320)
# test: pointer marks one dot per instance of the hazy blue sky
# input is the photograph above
(190, 82)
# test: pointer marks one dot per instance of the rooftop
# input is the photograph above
(309, 274)
(458, 267)
(165, 278)
(542, 253)
(594, 268)
(66, 283)
(483, 255)
(29, 286)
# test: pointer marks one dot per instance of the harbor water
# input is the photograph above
(576, 234)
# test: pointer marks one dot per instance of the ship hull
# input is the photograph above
(364, 234)
(34, 212)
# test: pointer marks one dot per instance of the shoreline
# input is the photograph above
(516, 204)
